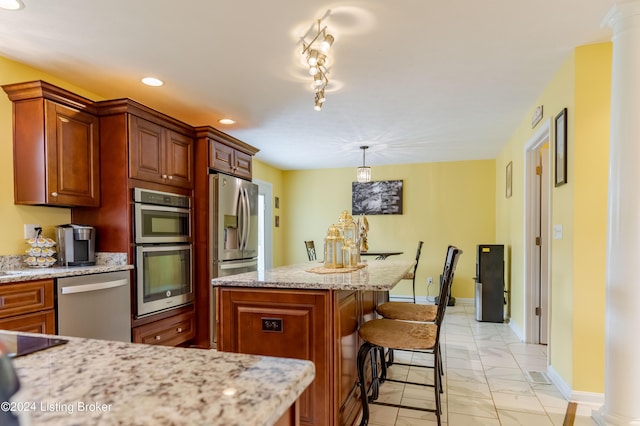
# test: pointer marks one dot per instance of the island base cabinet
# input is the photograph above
(282, 323)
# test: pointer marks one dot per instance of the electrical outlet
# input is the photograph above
(430, 280)
(30, 230)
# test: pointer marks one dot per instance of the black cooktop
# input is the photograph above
(17, 345)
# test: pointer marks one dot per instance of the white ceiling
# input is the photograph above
(417, 80)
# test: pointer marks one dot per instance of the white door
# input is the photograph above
(537, 235)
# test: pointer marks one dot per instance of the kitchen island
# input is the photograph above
(96, 382)
(292, 312)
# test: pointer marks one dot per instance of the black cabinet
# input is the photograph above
(490, 283)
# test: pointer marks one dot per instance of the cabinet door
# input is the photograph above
(39, 322)
(221, 157)
(73, 170)
(25, 297)
(179, 160)
(347, 393)
(146, 150)
(242, 164)
(288, 323)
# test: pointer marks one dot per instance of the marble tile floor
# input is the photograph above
(485, 383)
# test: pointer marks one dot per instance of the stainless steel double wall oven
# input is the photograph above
(163, 250)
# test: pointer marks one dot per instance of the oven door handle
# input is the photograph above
(84, 288)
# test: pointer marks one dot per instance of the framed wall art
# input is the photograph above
(508, 180)
(378, 197)
(561, 147)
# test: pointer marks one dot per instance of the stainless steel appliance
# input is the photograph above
(489, 279)
(233, 214)
(163, 277)
(76, 245)
(162, 235)
(96, 306)
(160, 217)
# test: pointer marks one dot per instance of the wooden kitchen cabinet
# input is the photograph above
(226, 159)
(55, 146)
(171, 331)
(317, 325)
(28, 306)
(158, 154)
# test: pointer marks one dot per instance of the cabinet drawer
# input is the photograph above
(170, 331)
(39, 322)
(25, 297)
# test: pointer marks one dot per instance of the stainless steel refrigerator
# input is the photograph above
(233, 214)
(233, 238)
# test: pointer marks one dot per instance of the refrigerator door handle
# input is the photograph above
(241, 218)
(247, 221)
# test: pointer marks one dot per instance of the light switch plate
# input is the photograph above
(557, 232)
(30, 230)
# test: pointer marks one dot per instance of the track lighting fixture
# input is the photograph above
(315, 54)
(364, 172)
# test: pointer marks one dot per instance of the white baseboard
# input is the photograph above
(590, 398)
(514, 327)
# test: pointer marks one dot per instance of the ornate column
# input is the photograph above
(622, 345)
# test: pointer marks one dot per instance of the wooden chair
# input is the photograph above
(379, 334)
(311, 250)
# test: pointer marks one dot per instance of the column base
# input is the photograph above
(602, 418)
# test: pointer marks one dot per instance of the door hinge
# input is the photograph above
(538, 242)
(538, 311)
(538, 170)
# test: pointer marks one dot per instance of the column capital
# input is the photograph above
(619, 11)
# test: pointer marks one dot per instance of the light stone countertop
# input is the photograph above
(12, 269)
(378, 275)
(136, 384)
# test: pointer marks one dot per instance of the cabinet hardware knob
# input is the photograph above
(54, 194)
(170, 177)
(158, 337)
(164, 176)
(179, 330)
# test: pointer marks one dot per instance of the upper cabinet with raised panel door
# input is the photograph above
(227, 154)
(158, 154)
(55, 146)
(159, 149)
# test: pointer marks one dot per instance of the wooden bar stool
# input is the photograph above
(379, 334)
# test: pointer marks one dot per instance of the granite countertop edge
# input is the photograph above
(377, 275)
(12, 270)
(189, 386)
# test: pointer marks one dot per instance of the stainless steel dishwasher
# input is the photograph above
(96, 306)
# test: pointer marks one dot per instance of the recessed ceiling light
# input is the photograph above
(11, 4)
(150, 81)
(226, 121)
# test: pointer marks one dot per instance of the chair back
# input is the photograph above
(311, 249)
(415, 267)
(451, 261)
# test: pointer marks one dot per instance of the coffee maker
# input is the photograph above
(76, 245)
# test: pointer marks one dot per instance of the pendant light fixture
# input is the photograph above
(364, 172)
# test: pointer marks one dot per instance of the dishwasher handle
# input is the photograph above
(93, 287)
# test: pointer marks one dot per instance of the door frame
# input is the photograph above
(266, 189)
(532, 211)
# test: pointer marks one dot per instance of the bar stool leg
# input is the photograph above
(365, 350)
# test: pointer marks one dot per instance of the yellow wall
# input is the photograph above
(444, 203)
(14, 216)
(591, 161)
(576, 334)
(265, 172)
